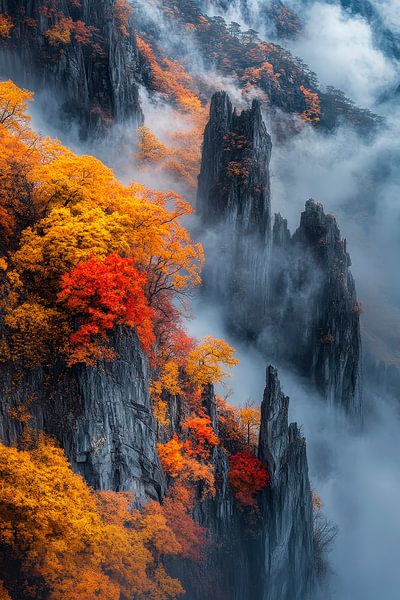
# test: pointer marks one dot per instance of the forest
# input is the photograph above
(197, 216)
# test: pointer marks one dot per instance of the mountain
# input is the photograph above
(124, 472)
(275, 287)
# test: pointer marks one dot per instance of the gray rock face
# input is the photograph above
(101, 417)
(293, 295)
(315, 303)
(234, 205)
(287, 526)
(234, 177)
(96, 83)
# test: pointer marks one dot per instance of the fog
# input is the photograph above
(357, 474)
(358, 479)
(347, 57)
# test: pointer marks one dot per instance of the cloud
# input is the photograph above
(341, 50)
(390, 12)
(357, 477)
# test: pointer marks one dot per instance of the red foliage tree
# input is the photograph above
(104, 293)
(247, 477)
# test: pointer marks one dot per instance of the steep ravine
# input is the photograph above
(103, 419)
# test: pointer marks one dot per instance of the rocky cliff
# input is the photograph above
(270, 554)
(234, 182)
(294, 295)
(287, 527)
(315, 303)
(101, 417)
(89, 66)
(234, 205)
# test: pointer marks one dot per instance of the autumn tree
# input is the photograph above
(231, 431)
(14, 107)
(185, 367)
(202, 435)
(180, 156)
(122, 11)
(312, 113)
(247, 477)
(210, 362)
(250, 418)
(6, 26)
(60, 32)
(238, 425)
(60, 540)
(177, 508)
(178, 462)
(64, 210)
(103, 294)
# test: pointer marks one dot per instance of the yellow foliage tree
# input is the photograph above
(60, 540)
(207, 362)
(59, 209)
(250, 418)
(13, 107)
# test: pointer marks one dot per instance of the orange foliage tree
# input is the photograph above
(238, 426)
(180, 155)
(60, 32)
(187, 465)
(6, 26)
(122, 11)
(177, 509)
(64, 210)
(312, 114)
(202, 435)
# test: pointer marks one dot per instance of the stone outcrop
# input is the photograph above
(234, 177)
(293, 295)
(233, 202)
(95, 83)
(315, 304)
(286, 504)
(101, 417)
(269, 555)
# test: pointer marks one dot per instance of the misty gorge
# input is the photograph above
(199, 299)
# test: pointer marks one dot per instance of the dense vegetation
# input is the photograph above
(80, 255)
